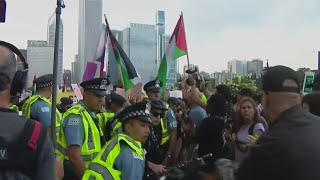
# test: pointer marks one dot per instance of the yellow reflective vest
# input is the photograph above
(102, 167)
(91, 145)
(165, 131)
(103, 118)
(14, 107)
(26, 109)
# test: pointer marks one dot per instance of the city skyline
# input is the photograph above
(284, 32)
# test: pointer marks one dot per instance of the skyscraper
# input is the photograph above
(40, 59)
(90, 26)
(162, 43)
(255, 67)
(51, 39)
(140, 44)
(160, 28)
(237, 67)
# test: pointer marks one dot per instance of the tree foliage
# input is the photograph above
(239, 82)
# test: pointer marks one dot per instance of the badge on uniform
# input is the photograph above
(73, 121)
(45, 109)
(135, 156)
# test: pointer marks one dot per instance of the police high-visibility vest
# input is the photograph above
(102, 167)
(165, 132)
(103, 118)
(91, 145)
(14, 107)
(26, 109)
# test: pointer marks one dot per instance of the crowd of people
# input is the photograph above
(218, 136)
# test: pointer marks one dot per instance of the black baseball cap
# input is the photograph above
(274, 78)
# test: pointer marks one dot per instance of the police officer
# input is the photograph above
(123, 157)
(79, 140)
(155, 152)
(107, 120)
(66, 103)
(168, 124)
(38, 106)
(21, 156)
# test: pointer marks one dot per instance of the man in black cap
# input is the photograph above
(289, 150)
(21, 156)
(80, 137)
(169, 126)
(123, 157)
(110, 125)
(156, 153)
(152, 89)
(66, 103)
(38, 106)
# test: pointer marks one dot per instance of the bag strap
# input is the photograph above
(251, 128)
(33, 141)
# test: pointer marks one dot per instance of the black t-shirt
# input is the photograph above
(211, 137)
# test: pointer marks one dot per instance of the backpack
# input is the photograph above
(22, 153)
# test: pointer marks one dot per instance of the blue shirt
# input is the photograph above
(41, 111)
(171, 119)
(129, 163)
(198, 114)
(73, 127)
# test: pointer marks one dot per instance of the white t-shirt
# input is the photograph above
(242, 136)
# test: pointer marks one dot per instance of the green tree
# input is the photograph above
(239, 82)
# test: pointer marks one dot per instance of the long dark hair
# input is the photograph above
(239, 116)
(217, 105)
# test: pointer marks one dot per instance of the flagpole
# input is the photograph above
(60, 5)
(186, 38)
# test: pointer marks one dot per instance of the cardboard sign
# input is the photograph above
(121, 92)
(308, 79)
(176, 93)
(77, 91)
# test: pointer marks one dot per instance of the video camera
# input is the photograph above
(193, 71)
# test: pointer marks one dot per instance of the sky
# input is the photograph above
(285, 32)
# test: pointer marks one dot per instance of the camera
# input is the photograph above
(193, 71)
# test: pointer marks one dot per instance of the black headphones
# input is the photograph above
(20, 78)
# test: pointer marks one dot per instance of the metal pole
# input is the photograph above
(55, 72)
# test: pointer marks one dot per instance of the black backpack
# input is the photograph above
(22, 153)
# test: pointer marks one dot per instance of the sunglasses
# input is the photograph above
(156, 114)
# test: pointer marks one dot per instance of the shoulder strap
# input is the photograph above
(33, 141)
(250, 131)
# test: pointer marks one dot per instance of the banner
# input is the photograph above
(77, 91)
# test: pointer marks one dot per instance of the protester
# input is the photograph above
(249, 130)
(311, 103)
(211, 132)
(197, 113)
(288, 150)
(66, 103)
(21, 159)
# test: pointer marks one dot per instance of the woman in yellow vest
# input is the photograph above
(38, 106)
(123, 156)
(80, 137)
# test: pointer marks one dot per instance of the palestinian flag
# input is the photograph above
(100, 53)
(176, 48)
(130, 78)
